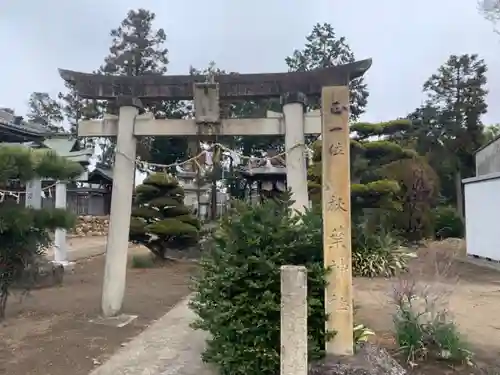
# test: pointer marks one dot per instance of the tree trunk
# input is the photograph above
(460, 195)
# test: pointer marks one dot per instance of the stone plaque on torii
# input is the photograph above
(293, 88)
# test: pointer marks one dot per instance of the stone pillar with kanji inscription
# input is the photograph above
(336, 201)
(296, 169)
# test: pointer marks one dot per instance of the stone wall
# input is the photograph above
(90, 226)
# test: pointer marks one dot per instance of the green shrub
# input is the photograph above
(160, 220)
(237, 294)
(377, 253)
(447, 223)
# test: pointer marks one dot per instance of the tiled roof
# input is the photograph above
(11, 125)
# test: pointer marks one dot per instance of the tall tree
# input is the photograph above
(323, 49)
(138, 49)
(44, 110)
(449, 125)
(491, 132)
(71, 106)
(490, 9)
(75, 109)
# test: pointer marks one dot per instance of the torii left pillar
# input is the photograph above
(115, 271)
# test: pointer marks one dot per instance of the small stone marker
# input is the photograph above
(293, 355)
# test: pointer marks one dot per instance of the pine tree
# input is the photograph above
(138, 49)
(491, 132)
(490, 9)
(325, 49)
(449, 127)
(160, 220)
(25, 231)
(44, 110)
(75, 109)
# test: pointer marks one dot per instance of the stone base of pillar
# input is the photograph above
(68, 266)
(118, 321)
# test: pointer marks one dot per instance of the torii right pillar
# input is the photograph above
(296, 168)
(336, 201)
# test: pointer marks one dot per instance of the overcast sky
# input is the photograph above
(407, 40)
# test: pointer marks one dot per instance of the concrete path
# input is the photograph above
(167, 347)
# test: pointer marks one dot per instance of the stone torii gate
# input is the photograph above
(293, 88)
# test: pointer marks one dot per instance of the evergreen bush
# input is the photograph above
(237, 294)
(160, 220)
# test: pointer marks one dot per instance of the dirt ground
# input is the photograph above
(471, 293)
(49, 331)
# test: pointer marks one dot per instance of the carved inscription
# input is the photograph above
(339, 302)
(337, 108)
(340, 265)
(337, 238)
(336, 203)
(336, 149)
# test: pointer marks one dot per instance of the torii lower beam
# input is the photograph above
(147, 125)
(297, 125)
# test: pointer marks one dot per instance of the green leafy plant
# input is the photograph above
(377, 253)
(447, 223)
(160, 220)
(362, 333)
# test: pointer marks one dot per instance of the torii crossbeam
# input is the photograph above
(234, 86)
